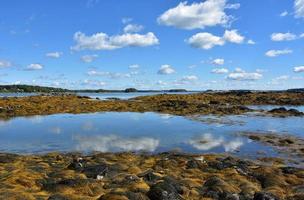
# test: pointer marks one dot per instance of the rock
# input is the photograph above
(284, 111)
(264, 196)
(96, 171)
(169, 189)
(77, 164)
(217, 188)
(149, 176)
(57, 197)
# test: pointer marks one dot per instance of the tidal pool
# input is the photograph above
(141, 132)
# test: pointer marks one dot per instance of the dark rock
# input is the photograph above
(77, 164)
(96, 170)
(169, 189)
(57, 197)
(7, 158)
(149, 176)
(264, 196)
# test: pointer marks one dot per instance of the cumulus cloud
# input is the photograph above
(275, 53)
(298, 69)
(54, 54)
(242, 75)
(299, 8)
(113, 143)
(277, 37)
(34, 66)
(233, 36)
(5, 64)
(89, 58)
(101, 41)
(207, 40)
(133, 28)
(220, 71)
(197, 15)
(218, 61)
(166, 69)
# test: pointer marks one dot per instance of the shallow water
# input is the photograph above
(149, 132)
(123, 95)
(270, 107)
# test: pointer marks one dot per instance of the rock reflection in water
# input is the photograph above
(113, 143)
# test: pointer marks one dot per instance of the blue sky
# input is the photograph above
(210, 44)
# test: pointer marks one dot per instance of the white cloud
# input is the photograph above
(207, 40)
(115, 143)
(251, 42)
(54, 54)
(5, 64)
(101, 41)
(126, 20)
(166, 69)
(233, 6)
(220, 71)
(299, 8)
(135, 66)
(94, 83)
(284, 14)
(233, 36)
(277, 37)
(197, 15)
(298, 69)
(282, 78)
(89, 58)
(133, 28)
(275, 53)
(110, 74)
(190, 78)
(34, 66)
(241, 75)
(218, 61)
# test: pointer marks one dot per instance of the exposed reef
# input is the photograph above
(166, 176)
(223, 103)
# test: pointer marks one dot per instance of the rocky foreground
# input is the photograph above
(167, 176)
(202, 103)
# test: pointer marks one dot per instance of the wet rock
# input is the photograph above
(149, 176)
(217, 188)
(7, 158)
(96, 171)
(77, 164)
(57, 197)
(264, 196)
(284, 111)
(169, 189)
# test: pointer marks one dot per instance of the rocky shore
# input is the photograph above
(190, 104)
(167, 176)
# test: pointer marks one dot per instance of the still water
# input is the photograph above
(148, 132)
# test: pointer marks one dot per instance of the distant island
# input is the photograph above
(42, 89)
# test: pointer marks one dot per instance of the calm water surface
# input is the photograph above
(149, 132)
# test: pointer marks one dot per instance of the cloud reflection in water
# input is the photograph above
(207, 142)
(113, 143)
